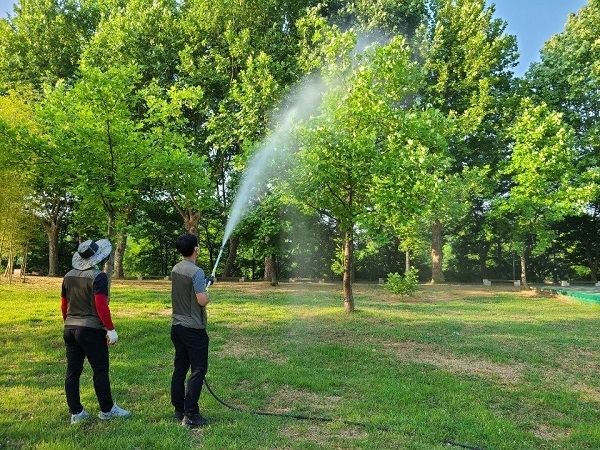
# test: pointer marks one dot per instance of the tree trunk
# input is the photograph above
(270, 270)
(523, 270)
(593, 265)
(109, 265)
(483, 251)
(500, 257)
(51, 229)
(2, 245)
(120, 246)
(190, 217)
(406, 261)
(348, 272)
(9, 265)
(24, 264)
(437, 275)
(233, 245)
(190, 220)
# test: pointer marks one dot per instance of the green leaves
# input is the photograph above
(541, 173)
(466, 58)
(371, 148)
(44, 41)
(567, 79)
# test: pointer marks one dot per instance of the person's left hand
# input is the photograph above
(210, 281)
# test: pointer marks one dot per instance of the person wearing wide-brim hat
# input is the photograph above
(88, 328)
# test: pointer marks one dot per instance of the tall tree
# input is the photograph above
(23, 146)
(40, 44)
(244, 55)
(239, 128)
(147, 34)
(351, 151)
(468, 59)
(102, 148)
(541, 179)
(567, 79)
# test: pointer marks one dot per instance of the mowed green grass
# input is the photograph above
(478, 367)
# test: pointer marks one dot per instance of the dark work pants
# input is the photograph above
(191, 352)
(82, 342)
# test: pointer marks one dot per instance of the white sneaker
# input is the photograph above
(79, 417)
(114, 412)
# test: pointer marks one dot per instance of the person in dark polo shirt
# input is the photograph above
(88, 329)
(188, 332)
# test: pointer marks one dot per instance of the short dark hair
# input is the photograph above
(186, 244)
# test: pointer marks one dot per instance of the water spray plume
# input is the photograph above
(302, 103)
(217, 262)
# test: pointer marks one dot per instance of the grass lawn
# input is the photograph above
(450, 367)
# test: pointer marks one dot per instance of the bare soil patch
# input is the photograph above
(242, 349)
(282, 400)
(324, 437)
(429, 354)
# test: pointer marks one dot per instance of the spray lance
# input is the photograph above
(211, 279)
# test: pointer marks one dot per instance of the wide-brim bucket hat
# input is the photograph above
(91, 253)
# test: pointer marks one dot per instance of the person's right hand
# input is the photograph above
(209, 281)
(111, 337)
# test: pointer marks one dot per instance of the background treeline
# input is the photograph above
(135, 120)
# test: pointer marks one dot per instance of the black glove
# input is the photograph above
(209, 280)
